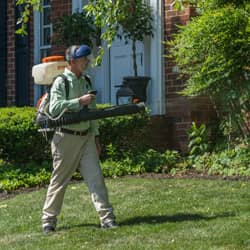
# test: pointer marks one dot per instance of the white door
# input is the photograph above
(121, 64)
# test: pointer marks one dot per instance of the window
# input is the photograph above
(46, 29)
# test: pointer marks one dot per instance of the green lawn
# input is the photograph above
(152, 213)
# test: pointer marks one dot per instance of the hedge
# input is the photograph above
(21, 142)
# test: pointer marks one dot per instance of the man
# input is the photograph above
(76, 145)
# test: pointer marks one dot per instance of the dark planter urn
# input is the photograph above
(138, 84)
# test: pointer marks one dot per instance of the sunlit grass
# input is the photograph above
(152, 214)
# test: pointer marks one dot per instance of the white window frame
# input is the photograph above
(43, 27)
(38, 33)
(38, 46)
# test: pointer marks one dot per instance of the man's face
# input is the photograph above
(81, 64)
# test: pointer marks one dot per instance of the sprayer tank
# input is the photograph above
(45, 72)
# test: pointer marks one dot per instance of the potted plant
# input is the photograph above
(128, 19)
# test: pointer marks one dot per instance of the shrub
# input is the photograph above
(23, 175)
(198, 140)
(213, 52)
(149, 161)
(19, 139)
(124, 134)
(14, 176)
(22, 143)
(228, 162)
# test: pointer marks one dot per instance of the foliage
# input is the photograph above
(154, 161)
(213, 52)
(25, 15)
(15, 176)
(229, 162)
(21, 166)
(26, 175)
(198, 140)
(203, 5)
(19, 139)
(212, 4)
(149, 161)
(124, 19)
(129, 134)
(75, 29)
(26, 155)
(21, 142)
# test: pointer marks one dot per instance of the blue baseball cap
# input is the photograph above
(75, 52)
(82, 51)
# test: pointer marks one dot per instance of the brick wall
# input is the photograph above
(58, 8)
(10, 83)
(180, 111)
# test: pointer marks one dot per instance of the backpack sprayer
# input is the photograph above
(44, 74)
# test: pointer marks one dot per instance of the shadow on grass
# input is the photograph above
(158, 219)
(68, 227)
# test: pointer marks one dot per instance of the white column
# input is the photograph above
(157, 88)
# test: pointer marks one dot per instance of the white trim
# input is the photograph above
(76, 5)
(37, 30)
(156, 88)
(37, 47)
(106, 75)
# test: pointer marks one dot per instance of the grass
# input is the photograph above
(152, 213)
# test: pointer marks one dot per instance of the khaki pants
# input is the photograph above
(70, 152)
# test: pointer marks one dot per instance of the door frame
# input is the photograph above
(154, 64)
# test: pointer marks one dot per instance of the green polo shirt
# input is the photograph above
(58, 101)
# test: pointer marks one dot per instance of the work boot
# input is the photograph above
(49, 229)
(109, 225)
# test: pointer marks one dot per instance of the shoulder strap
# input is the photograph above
(87, 78)
(66, 82)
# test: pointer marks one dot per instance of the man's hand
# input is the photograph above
(86, 99)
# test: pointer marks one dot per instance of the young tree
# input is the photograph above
(128, 19)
